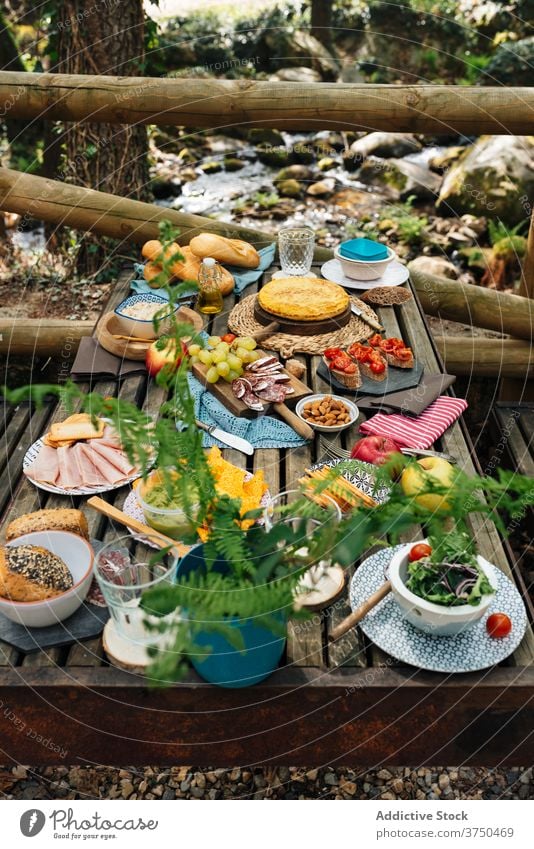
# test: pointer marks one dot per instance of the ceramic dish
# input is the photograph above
(364, 269)
(32, 453)
(362, 475)
(395, 275)
(469, 651)
(78, 556)
(141, 328)
(133, 508)
(432, 618)
(351, 407)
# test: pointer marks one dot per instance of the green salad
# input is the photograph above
(450, 575)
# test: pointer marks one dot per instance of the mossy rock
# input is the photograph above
(326, 163)
(163, 189)
(263, 135)
(493, 178)
(289, 188)
(213, 166)
(294, 172)
(276, 157)
(302, 153)
(231, 163)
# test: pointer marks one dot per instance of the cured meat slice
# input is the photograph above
(45, 467)
(115, 456)
(89, 471)
(239, 387)
(252, 401)
(274, 392)
(69, 468)
(110, 437)
(109, 474)
(263, 361)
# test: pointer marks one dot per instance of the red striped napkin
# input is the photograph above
(419, 431)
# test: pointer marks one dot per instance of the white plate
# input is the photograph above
(32, 453)
(469, 651)
(395, 275)
(133, 509)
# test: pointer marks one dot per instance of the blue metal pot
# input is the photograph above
(221, 663)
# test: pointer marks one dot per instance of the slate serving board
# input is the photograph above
(396, 379)
(88, 621)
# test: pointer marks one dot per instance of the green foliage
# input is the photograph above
(409, 226)
(266, 200)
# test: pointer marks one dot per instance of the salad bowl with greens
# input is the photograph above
(442, 585)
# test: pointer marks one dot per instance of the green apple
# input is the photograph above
(415, 478)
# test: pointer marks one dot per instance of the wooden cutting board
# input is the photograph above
(223, 391)
(301, 328)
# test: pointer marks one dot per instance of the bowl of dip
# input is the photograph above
(135, 316)
(163, 507)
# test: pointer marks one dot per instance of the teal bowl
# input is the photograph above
(216, 660)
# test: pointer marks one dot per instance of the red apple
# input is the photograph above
(163, 352)
(374, 449)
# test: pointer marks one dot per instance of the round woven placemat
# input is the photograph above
(241, 321)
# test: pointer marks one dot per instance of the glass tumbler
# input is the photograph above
(295, 248)
(124, 576)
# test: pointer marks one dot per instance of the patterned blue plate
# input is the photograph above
(466, 652)
(361, 475)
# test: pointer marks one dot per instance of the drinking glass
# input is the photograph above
(295, 248)
(124, 576)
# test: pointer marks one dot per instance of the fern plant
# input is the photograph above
(261, 569)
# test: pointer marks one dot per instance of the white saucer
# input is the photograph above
(395, 275)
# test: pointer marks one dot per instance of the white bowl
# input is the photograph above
(352, 408)
(139, 327)
(78, 556)
(360, 269)
(429, 617)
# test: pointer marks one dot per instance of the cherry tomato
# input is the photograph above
(498, 625)
(418, 551)
(375, 340)
(340, 363)
(377, 367)
(351, 368)
(228, 337)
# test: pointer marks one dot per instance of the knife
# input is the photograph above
(228, 438)
(364, 317)
(416, 452)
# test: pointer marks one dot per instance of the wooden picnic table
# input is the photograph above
(344, 702)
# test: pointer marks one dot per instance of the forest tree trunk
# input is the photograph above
(103, 37)
(321, 21)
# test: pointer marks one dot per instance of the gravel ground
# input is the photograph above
(190, 782)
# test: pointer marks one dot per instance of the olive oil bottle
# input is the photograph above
(210, 299)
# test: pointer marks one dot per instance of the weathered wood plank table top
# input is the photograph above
(344, 702)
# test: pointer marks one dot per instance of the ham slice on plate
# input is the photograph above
(115, 456)
(45, 467)
(89, 472)
(109, 474)
(69, 473)
(109, 437)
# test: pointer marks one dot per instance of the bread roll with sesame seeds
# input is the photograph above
(32, 573)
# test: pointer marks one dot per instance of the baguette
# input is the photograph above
(189, 268)
(231, 251)
(62, 519)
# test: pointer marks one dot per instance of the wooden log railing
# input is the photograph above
(470, 110)
(215, 103)
(480, 357)
(468, 304)
(44, 337)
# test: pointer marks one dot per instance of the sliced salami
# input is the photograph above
(239, 387)
(275, 393)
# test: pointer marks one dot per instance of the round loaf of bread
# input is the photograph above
(32, 573)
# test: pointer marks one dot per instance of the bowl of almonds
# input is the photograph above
(327, 413)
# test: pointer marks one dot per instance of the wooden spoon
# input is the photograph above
(361, 611)
(117, 515)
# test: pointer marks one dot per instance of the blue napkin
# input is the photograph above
(243, 276)
(363, 249)
(262, 432)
